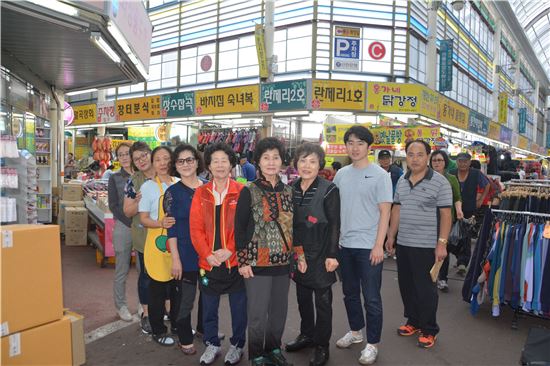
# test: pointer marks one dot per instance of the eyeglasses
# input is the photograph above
(123, 155)
(142, 157)
(190, 160)
(438, 160)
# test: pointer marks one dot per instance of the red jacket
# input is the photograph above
(202, 222)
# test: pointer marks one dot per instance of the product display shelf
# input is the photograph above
(43, 171)
(25, 194)
(105, 223)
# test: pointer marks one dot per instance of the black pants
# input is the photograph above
(321, 329)
(418, 291)
(463, 257)
(157, 297)
(187, 287)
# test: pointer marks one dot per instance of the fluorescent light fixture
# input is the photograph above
(339, 113)
(81, 91)
(183, 119)
(57, 6)
(107, 125)
(201, 118)
(225, 116)
(117, 35)
(133, 123)
(290, 114)
(100, 43)
(141, 69)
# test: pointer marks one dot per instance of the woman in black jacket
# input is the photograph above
(317, 229)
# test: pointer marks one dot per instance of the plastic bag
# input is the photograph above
(456, 235)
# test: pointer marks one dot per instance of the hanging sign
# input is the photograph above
(503, 108)
(138, 108)
(548, 138)
(143, 133)
(30, 133)
(478, 123)
(453, 113)
(522, 127)
(388, 137)
(284, 96)
(446, 65)
(84, 114)
(106, 112)
(240, 99)
(393, 97)
(494, 131)
(334, 132)
(429, 103)
(347, 48)
(178, 105)
(505, 135)
(523, 142)
(338, 95)
(260, 50)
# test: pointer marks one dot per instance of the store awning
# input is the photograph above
(71, 46)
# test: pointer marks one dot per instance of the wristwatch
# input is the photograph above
(442, 241)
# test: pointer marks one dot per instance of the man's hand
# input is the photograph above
(440, 252)
(331, 264)
(377, 255)
(176, 270)
(390, 245)
(213, 261)
(246, 272)
(459, 214)
(302, 266)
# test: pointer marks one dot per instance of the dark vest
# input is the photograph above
(468, 190)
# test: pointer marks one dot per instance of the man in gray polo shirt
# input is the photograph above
(422, 213)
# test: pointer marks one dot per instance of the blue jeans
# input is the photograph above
(357, 274)
(210, 306)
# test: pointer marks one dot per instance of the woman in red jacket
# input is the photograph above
(212, 233)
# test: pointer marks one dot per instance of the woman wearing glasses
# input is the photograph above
(439, 161)
(185, 269)
(158, 260)
(140, 154)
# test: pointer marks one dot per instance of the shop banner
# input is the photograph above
(522, 120)
(515, 139)
(347, 48)
(390, 136)
(106, 112)
(240, 99)
(494, 131)
(84, 114)
(523, 142)
(334, 132)
(260, 50)
(429, 103)
(548, 138)
(30, 134)
(284, 96)
(505, 135)
(453, 113)
(334, 149)
(503, 108)
(143, 133)
(478, 123)
(178, 105)
(393, 97)
(136, 109)
(534, 147)
(446, 65)
(338, 95)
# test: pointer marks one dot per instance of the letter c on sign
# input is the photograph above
(377, 50)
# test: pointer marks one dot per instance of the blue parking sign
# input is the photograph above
(346, 47)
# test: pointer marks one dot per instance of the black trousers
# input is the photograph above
(418, 291)
(157, 296)
(187, 287)
(463, 257)
(319, 329)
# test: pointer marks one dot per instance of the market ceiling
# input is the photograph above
(57, 48)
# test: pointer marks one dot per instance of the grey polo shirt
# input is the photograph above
(419, 214)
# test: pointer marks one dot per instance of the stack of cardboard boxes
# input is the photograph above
(34, 329)
(73, 216)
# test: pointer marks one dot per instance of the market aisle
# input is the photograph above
(88, 289)
(463, 338)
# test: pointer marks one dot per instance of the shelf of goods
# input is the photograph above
(43, 171)
(96, 202)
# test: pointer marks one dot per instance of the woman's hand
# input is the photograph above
(459, 214)
(176, 270)
(213, 261)
(331, 264)
(167, 222)
(246, 272)
(302, 265)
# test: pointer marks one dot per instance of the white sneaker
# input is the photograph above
(368, 355)
(233, 355)
(442, 285)
(210, 354)
(124, 314)
(348, 339)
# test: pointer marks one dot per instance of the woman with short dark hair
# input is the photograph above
(317, 230)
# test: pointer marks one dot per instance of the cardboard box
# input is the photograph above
(76, 218)
(77, 335)
(71, 192)
(48, 344)
(76, 237)
(31, 288)
(62, 206)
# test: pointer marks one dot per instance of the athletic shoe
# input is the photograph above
(145, 326)
(461, 271)
(348, 339)
(210, 354)
(407, 330)
(427, 341)
(233, 355)
(368, 355)
(276, 358)
(442, 285)
(124, 314)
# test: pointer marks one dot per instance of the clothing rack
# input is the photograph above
(531, 180)
(518, 184)
(526, 213)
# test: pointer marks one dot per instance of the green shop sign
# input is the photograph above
(485, 14)
(178, 105)
(446, 65)
(478, 123)
(522, 120)
(508, 47)
(284, 96)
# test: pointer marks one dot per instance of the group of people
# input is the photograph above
(250, 240)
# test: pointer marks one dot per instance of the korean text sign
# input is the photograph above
(337, 94)
(241, 99)
(284, 96)
(138, 108)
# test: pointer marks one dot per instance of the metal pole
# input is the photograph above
(431, 47)
(269, 29)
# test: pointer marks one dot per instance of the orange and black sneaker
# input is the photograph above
(407, 330)
(426, 341)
